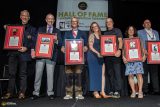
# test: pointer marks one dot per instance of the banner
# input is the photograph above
(86, 10)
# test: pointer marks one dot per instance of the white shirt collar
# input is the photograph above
(148, 30)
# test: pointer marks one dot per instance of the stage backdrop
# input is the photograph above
(86, 10)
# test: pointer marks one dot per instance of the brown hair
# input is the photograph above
(91, 29)
(135, 31)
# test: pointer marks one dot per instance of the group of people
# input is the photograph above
(100, 68)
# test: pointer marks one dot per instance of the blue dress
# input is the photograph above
(134, 68)
(95, 67)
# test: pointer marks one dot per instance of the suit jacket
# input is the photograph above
(80, 35)
(142, 34)
(55, 30)
(29, 43)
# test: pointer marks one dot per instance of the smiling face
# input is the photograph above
(131, 31)
(95, 27)
(109, 23)
(74, 23)
(24, 16)
(50, 20)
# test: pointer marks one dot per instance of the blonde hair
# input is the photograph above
(74, 17)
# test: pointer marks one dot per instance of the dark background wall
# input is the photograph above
(124, 13)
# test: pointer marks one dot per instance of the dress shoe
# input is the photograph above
(34, 97)
(51, 97)
(6, 96)
(21, 96)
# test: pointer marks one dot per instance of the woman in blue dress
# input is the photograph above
(134, 68)
(95, 63)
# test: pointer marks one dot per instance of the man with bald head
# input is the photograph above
(147, 34)
(50, 63)
(113, 63)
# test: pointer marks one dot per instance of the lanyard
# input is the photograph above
(151, 37)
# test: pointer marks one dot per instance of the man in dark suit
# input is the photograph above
(75, 33)
(20, 58)
(50, 63)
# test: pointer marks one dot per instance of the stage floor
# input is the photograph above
(148, 101)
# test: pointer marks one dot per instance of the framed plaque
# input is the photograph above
(74, 51)
(153, 48)
(14, 37)
(132, 49)
(108, 45)
(44, 45)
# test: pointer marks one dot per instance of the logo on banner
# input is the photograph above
(82, 5)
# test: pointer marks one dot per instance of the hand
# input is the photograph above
(33, 54)
(145, 52)
(85, 48)
(55, 37)
(124, 60)
(23, 49)
(118, 53)
(29, 36)
(5, 26)
(143, 58)
(63, 49)
(99, 55)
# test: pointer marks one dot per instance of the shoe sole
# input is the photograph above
(67, 98)
(80, 98)
(115, 97)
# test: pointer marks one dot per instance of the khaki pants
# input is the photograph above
(73, 70)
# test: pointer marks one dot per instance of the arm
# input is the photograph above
(84, 36)
(91, 42)
(123, 55)
(118, 53)
(120, 43)
(25, 43)
(157, 35)
(63, 42)
(142, 41)
(34, 38)
(143, 52)
(59, 37)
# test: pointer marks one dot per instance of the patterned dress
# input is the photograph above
(134, 68)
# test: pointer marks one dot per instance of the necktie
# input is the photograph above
(74, 34)
(49, 29)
